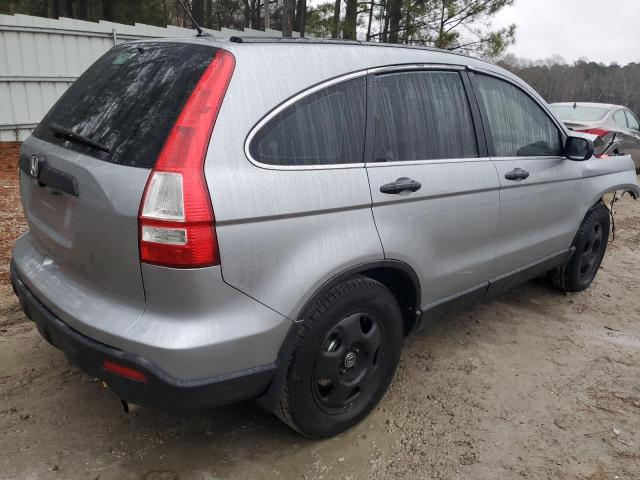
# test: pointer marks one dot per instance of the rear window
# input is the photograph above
(568, 113)
(128, 100)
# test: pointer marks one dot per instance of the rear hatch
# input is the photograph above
(84, 169)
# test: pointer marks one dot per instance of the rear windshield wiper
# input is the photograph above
(78, 137)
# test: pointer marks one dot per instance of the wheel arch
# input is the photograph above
(630, 188)
(396, 275)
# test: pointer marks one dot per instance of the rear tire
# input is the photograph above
(591, 244)
(344, 357)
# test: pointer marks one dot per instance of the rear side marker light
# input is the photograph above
(176, 220)
(123, 371)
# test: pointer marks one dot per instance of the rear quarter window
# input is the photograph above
(323, 128)
(128, 100)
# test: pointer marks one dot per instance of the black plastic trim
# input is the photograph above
(49, 176)
(360, 268)
(528, 272)
(478, 120)
(161, 390)
(453, 304)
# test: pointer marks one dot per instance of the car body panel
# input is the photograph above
(283, 233)
(530, 230)
(447, 229)
(94, 236)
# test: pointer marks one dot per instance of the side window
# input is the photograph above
(519, 126)
(620, 119)
(324, 128)
(422, 115)
(632, 120)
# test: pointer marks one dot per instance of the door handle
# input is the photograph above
(517, 174)
(403, 184)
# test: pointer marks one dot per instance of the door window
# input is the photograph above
(518, 125)
(422, 115)
(632, 120)
(324, 128)
(620, 119)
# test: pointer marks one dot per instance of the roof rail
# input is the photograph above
(292, 40)
(331, 41)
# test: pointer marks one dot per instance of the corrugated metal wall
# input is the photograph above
(41, 57)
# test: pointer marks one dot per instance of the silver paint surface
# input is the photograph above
(284, 232)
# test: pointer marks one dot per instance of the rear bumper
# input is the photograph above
(159, 389)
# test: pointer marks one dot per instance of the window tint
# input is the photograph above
(633, 121)
(519, 126)
(128, 100)
(421, 116)
(620, 119)
(326, 127)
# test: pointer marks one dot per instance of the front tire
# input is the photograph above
(591, 244)
(344, 358)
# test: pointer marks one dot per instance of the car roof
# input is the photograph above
(404, 53)
(304, 62)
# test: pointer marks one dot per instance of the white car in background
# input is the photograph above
(617, 128)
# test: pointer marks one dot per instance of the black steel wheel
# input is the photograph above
(590, 246)
(344, 357)
(592, 252)
(347, 362)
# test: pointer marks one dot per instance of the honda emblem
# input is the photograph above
(34, 169)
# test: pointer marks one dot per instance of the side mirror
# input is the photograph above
(578, 149)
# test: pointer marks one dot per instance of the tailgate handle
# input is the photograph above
(402, 184)
(47, 176)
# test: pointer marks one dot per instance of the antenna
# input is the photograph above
(201, 33)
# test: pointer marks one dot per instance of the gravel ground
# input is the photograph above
(533, 385)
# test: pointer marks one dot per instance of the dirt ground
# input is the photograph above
(532, 385)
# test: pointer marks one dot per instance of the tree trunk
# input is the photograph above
(107, 10)
(65, 8)
(256, 8)
(287, 17)
(385, 28)
(371, 7)
(247, 14)
(395, 12)
(267, 20)
(335, 27)
(207, 13)
(350, 20)
(197, 8)
(301, 14)
(82, 9)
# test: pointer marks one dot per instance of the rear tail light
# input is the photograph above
(601, 132)
(176, 217)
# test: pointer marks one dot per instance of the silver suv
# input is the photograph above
(214, 221)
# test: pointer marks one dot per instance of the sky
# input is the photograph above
(601, 30)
